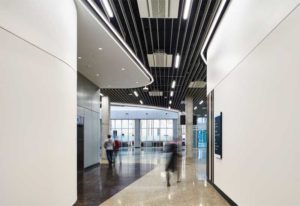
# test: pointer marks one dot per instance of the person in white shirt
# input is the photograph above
(109, 146)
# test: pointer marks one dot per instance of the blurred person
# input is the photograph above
(108, 145)
(117, 145)
(173, 163)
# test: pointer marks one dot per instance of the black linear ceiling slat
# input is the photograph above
(146, 36)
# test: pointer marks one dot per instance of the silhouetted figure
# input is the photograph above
(108, 145)
(172, 164)
(117, 145)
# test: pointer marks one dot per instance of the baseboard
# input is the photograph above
(91, 166)
(228, 199)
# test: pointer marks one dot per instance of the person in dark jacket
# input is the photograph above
(172, 163)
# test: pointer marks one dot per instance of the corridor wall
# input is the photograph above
(88, 107)
(258, 96)
(38, 102)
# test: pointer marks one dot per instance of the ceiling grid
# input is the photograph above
(168, 35)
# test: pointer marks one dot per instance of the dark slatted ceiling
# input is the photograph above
(145, 36)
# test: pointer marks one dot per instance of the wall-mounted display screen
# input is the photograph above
(218, 136)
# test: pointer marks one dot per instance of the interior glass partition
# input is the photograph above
(200, 133)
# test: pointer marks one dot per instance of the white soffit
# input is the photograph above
(158, 8)
(243, 26)
(104, 58)
(160, 59)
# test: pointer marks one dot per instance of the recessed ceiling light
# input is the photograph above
(177, 61)
(123, 69)
(195, 108)
(201, 102)
(170, 102)
(173, 84)
(141, 102)
(171, 93)
(130, 94)
(136, 94)
(97, 75)
(166, 97)
(100, 48)
(108, 8)
(79, 57)
(136, 82)
(187, 8)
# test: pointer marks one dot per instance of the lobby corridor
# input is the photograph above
(141, 180)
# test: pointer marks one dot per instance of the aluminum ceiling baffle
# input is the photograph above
(157, 32)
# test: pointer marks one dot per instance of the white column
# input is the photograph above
(189, 126)
(137, 143)
(38, 67)
(105, 110)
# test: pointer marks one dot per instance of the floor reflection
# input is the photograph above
(97, 184)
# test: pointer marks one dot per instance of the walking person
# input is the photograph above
(117, 145)
(108, 145)
(172, 164)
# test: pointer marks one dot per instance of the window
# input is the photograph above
(157, 130)
(125, 129)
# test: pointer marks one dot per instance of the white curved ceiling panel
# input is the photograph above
(103, 58)
(244, 25)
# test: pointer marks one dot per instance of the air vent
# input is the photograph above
(160, 59)
(156, 94)
(197, 84)
(158, 8)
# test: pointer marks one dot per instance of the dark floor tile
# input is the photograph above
(99, 183)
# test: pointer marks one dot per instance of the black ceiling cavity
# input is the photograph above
(172, 36)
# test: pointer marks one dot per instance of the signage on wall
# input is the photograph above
(218, 136)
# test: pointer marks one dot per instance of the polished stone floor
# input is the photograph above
(140, 180)
(97, 184)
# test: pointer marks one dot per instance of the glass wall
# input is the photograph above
(157, 130)
(200, 133)
(125, 130)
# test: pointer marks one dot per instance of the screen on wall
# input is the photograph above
(218, 136)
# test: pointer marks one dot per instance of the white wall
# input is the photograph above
(244, 25)
(259, 100)
(37, 71)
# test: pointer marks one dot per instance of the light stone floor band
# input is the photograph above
(151, 189)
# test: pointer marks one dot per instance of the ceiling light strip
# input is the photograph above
(218, 16)
(173, 84)
(117, 38)
(108, 8)
(177, 61)
(187, 9)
